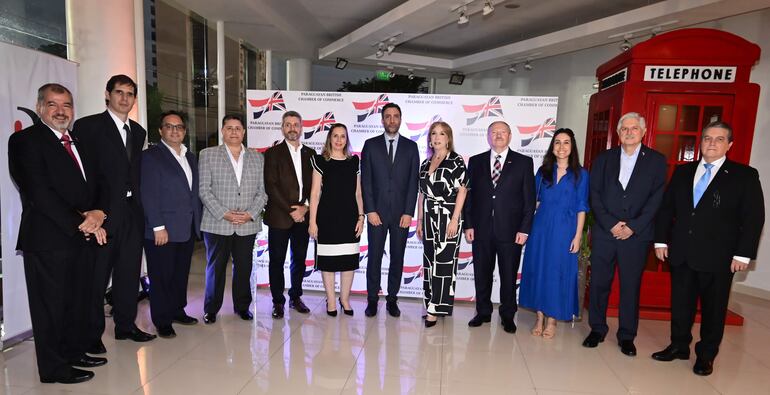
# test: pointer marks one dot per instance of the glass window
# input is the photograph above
(35, 24)
(666, 118)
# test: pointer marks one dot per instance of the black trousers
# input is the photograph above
(58, 289)
(630, 256)
(377, 235)
(278, 241)
(168, 267)
(219, 249)
(120, 258)
(508, 256)
(713, 290)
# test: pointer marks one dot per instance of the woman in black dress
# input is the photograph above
(443, 183)
(336, 215)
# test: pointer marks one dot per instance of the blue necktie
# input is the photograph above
(702, 184)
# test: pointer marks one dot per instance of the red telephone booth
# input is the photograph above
(679, 81)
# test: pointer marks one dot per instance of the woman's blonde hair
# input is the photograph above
(447, 130)
(327, 150)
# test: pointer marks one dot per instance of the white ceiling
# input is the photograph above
(428, 37)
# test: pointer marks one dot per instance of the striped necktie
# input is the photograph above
(496, 170)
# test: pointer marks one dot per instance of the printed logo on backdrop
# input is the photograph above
(313, 126)
(368, 108)
(271, 103)
(535, 132)
(309, 267)
(418, 130)
(474, 112)
(19, 125)
(412, 273)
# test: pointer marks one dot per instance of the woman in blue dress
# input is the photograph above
(549, 272)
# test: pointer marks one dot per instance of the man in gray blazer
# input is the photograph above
(233, 194)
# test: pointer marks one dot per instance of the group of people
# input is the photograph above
(93, 200)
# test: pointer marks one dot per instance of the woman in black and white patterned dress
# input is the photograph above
(442, 194)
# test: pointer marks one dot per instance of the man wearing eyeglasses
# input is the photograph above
(232, 190)
(172, 217)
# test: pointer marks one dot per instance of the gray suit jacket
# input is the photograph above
(220, 192)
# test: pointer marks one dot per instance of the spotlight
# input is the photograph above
(390, 48)
(512, 69)
(488, 9)
(528, 66)
(380, 50)
(379, 53)
(392, 74)
(411, 74)
(463, 18)
(456, 78)
(341, 63)
(625, 45)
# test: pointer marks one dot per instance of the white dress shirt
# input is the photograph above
(119, 124)
(699, 172)
(296, 159)
(237, 164)
(627, 163)
(395, 143)
(74, 150)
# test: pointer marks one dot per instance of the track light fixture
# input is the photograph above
(411, 74)
(513, 69)
(391, 45)
(380, 50)
(488, 9)
(341, 63)
(463, 18)
(528, 66)
(626, 45)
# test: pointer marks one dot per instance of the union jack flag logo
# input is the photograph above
(492, 108)
(309, 268)
(368, 108)
(322, 124)
(421, 127)
(272, 103)
(411, 273)
(532, 133)
(464, 259)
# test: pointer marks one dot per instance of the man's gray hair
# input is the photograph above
(634, 115)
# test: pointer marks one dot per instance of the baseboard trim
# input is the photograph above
(751, 291)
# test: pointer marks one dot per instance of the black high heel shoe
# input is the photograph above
(430, 324)
(347, 312)
(330, 313)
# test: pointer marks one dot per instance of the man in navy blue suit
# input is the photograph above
(172, 211)
(498, 214)
(389, 166)
(627, 185)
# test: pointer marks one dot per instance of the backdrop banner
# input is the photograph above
(24, 71)
(532, 120)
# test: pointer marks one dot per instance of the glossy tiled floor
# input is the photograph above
(317, 354)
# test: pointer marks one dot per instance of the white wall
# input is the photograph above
(570, 77)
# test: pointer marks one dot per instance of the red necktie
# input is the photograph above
(67, 142)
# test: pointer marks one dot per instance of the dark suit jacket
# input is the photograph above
(727, 221)
(281, 184)
(638, 203)
(53, 191)
(166, 198)
(389, 190)
(98, 134)
(513, 201)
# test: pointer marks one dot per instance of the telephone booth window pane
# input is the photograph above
(711, 114)
(688, 118)
(664, 143)
(666, 117)
(687, 148)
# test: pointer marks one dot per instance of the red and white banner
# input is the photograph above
(532, 120)
(23, 72)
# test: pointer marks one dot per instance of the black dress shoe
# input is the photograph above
(508, 325)
(297, 304)
(393, 309)
(371, 309)
(277, 310)
(245, 315)
(593, 339)
(627, 347)
(97, 348)
(166, 332)
(88, 362)
(428, 323)
(134, 334)
(347, 312)
(209, 318)
(671, 353)
(478, 320)
(703, 367)
(331, 313)
(185, 319)
(73, 376)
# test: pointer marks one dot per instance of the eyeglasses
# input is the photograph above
(178, 128)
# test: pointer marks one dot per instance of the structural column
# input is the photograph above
(298, 74)
(220, 74)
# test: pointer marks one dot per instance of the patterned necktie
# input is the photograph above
(390, 150)
(702, 184)
(67, 143)
(128, 141)
(496, 171)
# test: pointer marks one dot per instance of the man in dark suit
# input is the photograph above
(389, 166)
(708, 227)
(498, 214)
(626, 190)
(172, 212)
(116, 142)
(288, 175)
(63, 210)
